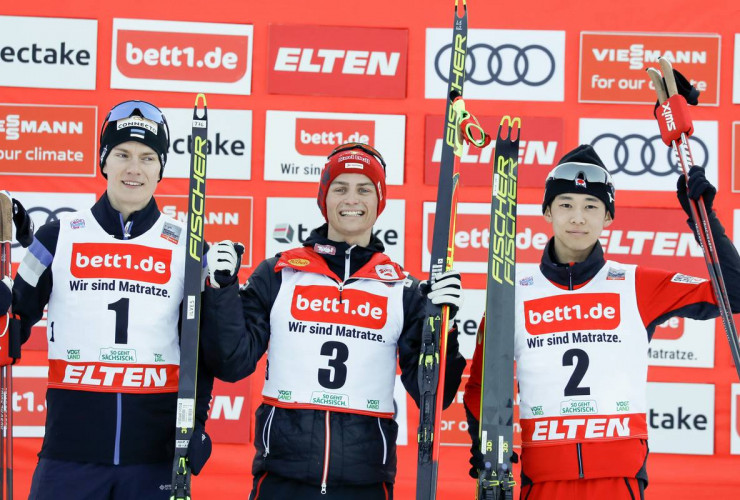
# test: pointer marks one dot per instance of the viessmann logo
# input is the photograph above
(47, 139)
(317, 136)
(583, 311)
(12, 125)
(337, 60)
(113, 260)
(153, 54)
(357, 308)
(613, 64)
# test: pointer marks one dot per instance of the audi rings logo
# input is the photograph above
(43, 215)
(635, 154)
(506, 64)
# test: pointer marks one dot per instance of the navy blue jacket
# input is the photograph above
(103, 427)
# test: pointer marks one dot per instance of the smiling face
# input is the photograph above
(351, 209)
(133, 172)
(577, 221)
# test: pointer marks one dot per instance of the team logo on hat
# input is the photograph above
(136, 121)
(581, 183)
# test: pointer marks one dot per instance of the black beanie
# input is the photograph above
(584, 153)
(139, 129)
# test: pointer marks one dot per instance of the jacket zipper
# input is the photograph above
(570, 277)
(266, 430)
(346, 271)
(385, 445)
(327, 445)
(580, 461)
(126, 231)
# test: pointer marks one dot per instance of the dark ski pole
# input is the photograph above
(190, 316)
(6, 372)
(668, 97)
(496, 431)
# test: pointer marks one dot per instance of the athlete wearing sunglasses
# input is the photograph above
(583, 402)
(337, 314)
(112, 277)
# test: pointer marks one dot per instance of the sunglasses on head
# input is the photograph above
(589, 172)
(139, 108)
(361, 146)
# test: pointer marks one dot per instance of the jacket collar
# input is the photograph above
(571, 275)
(112, 221)
(334, 253)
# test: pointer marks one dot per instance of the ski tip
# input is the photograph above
(509, 128)
(7, 194)
(200, 97)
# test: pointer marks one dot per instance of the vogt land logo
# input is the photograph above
(510, 65)
(680, 418)
(637, 158)
(304, 216)
(181, 56)
(229, 143)
(312, 136)
(337, 61)
(52, 53)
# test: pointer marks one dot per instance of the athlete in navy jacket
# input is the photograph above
(112, 277)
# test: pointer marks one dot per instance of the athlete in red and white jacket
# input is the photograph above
(339, 316)
(582, 332)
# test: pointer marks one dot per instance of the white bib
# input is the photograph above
(330, 354)
(581, 358)
(114, 308)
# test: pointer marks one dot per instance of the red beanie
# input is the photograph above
(352, 161)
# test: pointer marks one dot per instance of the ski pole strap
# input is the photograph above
(674, 119)
(469, 126)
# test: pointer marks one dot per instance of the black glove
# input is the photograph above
(6, 294)
(446, 291)
(23, 224)
(684, 88)
(224, 260)
(698, 187)
(199, 449)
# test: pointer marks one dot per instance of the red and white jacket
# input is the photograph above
(581, 344)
